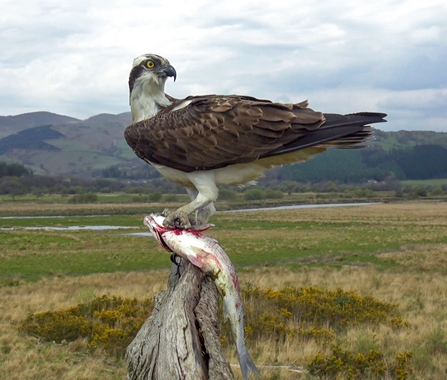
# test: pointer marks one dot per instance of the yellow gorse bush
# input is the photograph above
(290, 313)
(323, 315)
(336, 309)
(107, 322)
(345, 364)
(319, 312)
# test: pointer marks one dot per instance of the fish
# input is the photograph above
(205, 253)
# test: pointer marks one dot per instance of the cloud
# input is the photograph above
(74, 58)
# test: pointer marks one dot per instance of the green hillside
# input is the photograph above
(30, 139)
(96, 147)
(13, 124)
(371, 163)
(408, 139)
(81, 148)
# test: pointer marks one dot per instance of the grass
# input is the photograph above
(425, 182)
(58, 207)
(30, 255)
(394, 252)
(95, 220)
(321, 237)
(124, 200)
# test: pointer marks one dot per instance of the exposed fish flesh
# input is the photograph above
(205, 253)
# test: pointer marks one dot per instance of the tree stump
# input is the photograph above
(180, 340)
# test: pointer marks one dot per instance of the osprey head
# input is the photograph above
(146, 85)
(150, 68)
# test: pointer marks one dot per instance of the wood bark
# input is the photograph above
(180, 340)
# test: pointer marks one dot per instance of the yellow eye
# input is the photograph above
(150, 64)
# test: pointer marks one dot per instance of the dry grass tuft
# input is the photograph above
(26, 357)
(421, 299)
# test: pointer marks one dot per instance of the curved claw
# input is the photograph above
(175, 220)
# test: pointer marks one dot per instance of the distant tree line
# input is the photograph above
(373, 163)
(339, 165)
(136, 170)
(358, 179)
(16, 180)
(13, 170)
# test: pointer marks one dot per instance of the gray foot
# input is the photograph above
(175, 219)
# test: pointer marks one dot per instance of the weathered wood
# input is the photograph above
(180, 340)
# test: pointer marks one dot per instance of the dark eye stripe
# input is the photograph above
(137, 70)
(134, 74)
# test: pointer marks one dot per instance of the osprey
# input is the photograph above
(201, 142)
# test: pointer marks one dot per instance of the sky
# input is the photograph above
(74, 58)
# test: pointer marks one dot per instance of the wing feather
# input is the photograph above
(214, 131)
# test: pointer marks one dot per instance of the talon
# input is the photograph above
(178, 223)
(175, 220)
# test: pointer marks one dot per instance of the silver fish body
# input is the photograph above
(205, 253)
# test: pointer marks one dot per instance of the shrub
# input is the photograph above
(107, 322)
(349, 365)
(335, 309)
(274, 194)
(57, 325)
(155, 196)
(170, 198)
(419, 191)
(303, 313)
(309, 313)
(254, 195)
(227, 194)
(83, 198)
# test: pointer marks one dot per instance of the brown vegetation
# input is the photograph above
(417, 285)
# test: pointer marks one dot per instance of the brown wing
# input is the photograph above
(211, 132)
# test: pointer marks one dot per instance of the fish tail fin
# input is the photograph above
(246, 363)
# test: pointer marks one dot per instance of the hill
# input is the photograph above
(30, 139)
(14, 124)
(371, 163)
(408, 139)
(95, 147)
(71, 147)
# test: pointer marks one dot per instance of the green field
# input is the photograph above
(425, 182)
(394, 252)
(248, 238)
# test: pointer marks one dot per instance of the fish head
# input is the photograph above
(155, 224)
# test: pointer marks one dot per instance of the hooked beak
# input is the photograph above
(169, 71)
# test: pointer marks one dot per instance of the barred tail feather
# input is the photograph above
(338, 131)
